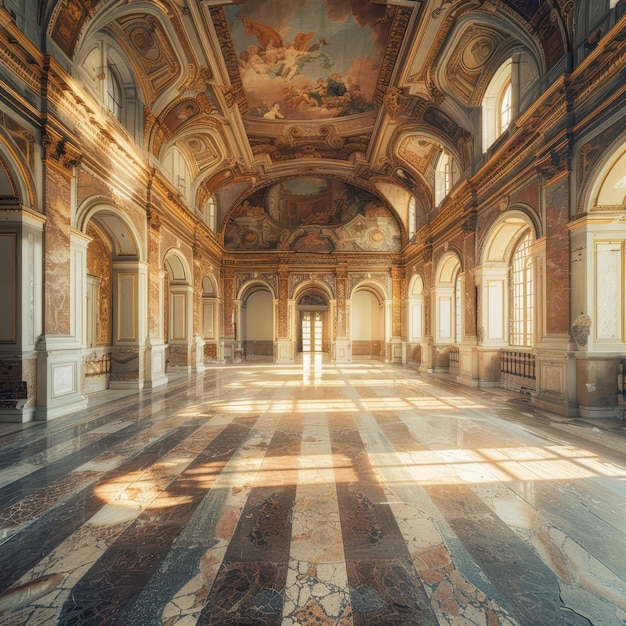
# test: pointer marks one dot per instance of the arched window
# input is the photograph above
(505, 108)
(458, 307)
(497, 104)
(445, 176)
(210, 213)
(103, 69)
(113, 96)
(522, 294)
(412, 216)
(448, 300)
(178, 172)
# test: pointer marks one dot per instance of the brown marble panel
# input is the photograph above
(557, 258)
(57, 257)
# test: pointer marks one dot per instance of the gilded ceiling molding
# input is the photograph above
(20, 57)
(234, 94)
(394, 44)
(396, 103)
(476, 55)
(306, 141)
(148, 48)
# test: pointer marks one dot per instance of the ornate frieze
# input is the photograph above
(147, 43)
(394, 44)
(59, 151)
(296, 279)
(269, 278)
(235, 93)
(383, 279)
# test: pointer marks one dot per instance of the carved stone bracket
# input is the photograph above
(60, 151)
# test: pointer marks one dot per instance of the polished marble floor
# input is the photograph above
(313, 493)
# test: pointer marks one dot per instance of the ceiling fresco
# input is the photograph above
(312, 214)
(309, 61)
(251, 92)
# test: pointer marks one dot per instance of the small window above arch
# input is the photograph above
(497, 104)
(209, 213)
(446, 176)
(114, 96)
(412, 216)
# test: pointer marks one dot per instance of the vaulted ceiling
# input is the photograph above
(363, 93)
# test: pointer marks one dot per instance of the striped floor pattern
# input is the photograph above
(313, 493)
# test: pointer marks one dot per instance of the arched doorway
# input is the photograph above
(256, 322)
(368, 324)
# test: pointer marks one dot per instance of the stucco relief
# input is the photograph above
(467, 70)
(296, 279)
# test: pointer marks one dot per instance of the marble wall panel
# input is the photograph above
(154, 285)
(595, 382)
(57, 257)
(557, 258)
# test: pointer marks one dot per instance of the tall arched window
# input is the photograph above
(178, 171)
(497, 104)
(505, 108)
(210, 213)
(446, 176)
(458, 307)
(412, 216)
(113, 99)
(522, 294)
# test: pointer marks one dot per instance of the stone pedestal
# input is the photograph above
(283, 350)
(156, 357)
(59, 377)
(198, 354)
(556, 380)
(597, 384)
(341, 350)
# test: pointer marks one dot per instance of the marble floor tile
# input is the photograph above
(313, 493)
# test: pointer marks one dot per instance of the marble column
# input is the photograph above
(284, 352)
(59, 356)
(341, 350)
(228, 319)
(429, 328)
(197, 360)
(155, 346)
(470, 357)
(397, 346)
(556, 367)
